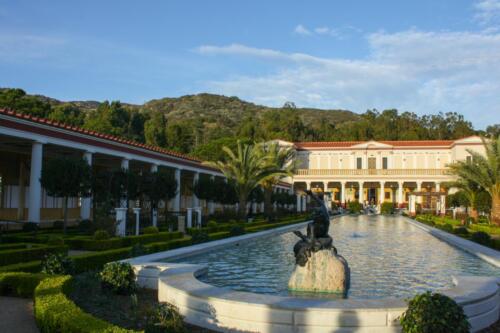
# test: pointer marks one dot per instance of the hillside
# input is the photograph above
(201, 124)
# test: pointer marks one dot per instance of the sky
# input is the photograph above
(423, 56)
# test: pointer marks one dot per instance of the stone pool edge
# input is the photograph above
(487, 254)
(225, 310)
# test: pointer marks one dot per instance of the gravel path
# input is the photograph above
(16, 315)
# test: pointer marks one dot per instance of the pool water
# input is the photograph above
(388, 257)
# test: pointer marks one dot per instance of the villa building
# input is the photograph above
(379, 171)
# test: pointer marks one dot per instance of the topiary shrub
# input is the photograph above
(150, 230)
(387, 208)
(55, 240)
(481, 237)
(138, 250)
(166, 318)
(461, 231)
(211, 225)
(237, 230)
(30, 226)
(118, 277)
(354, 206)
(199, 236)
(57, 264)
(446, 227)
(101, 235)
(433, 312)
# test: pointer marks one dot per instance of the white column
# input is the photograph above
(304, 203)
(438, 187)
(438, 201)
(400, 193)
(299, 201)
(124, 163)
(154, 210)
(177, 198)
(442, 201)
(86, 202)
(196, 201)
(419, 189)
(382, 193)
(360, 192)
(189, 217)
(412, 205)
(342, 193)
(35, 191)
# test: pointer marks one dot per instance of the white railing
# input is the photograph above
(372, 172)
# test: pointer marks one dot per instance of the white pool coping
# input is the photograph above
(227, 310)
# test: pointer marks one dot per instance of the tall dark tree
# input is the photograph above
(66, 177)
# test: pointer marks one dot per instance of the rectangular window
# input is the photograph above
(384, 162)
(359, 163)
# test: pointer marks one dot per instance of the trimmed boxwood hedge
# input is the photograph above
(31, 266)
(55, 312)
(90, 244)
(14, 256)
(19, 284)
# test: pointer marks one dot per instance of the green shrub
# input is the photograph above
(387, 208)
(55, 312)
(446, 227)
(166, 318)
(95, 261)
(354, 206)
(211, 226)
(14, 256)
(119, 277)
(55, 240)
(30, 266)
(199, 236)
(101, 235)
(237, 230)
(461, 231)
(483, 219)
(19, 284)
(57, 264)
(429, 312)
(85, 226)
(481, 237)
(150, 230)
(138, 250)
(30, 226)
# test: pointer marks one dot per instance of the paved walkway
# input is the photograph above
(16, 315)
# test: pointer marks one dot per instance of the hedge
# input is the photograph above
(19, 284)
(30, 266)
(55, 312)
(16, 246)
(90, 244)
(95, 261)
(9, 257)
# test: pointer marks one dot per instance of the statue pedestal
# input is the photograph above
(324, 272)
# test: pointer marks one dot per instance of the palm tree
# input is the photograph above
(484, 170)
(283, 158)
(246, 167)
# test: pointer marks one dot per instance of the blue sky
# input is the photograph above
(421, 56)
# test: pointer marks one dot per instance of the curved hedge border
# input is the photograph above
(55, 312)
(19, 284)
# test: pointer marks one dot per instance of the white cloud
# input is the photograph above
(424, 72)
(487, 11)
(301, 30)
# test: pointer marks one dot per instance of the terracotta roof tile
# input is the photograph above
(57, 124)
(400, 143)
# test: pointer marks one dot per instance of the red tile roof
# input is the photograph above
(80, 130)
(347, 144)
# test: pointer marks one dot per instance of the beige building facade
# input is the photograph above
(373, 172)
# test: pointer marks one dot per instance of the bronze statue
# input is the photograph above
(317, 237)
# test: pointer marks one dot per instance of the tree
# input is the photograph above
(467, 195)
(157, 186)
(283, 159)
(65, 178)
(204, 188)
(111, 118)
(246, 168)
(484, 170)
(67, 114)
(155, 130)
